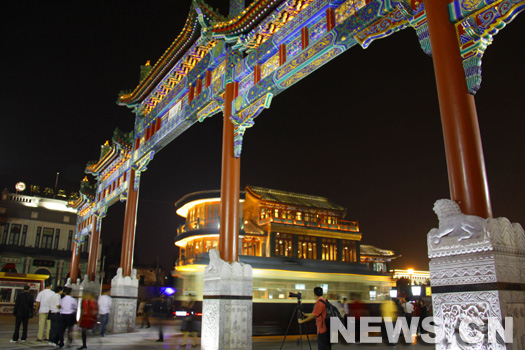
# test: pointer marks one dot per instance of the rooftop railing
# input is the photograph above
(352, 226)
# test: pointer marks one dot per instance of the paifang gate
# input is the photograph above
(237, 65)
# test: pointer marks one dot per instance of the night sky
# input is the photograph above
(364, 130)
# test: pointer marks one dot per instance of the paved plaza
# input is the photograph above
(145, 338)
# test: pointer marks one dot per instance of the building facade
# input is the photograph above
(293, 242)
(37, 235)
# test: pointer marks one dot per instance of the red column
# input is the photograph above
(282, 54)
(330, 19)
(305, 38)
(199, 87)
(207, 79)
(93, 250)
(130, 220)
(256, 74)
(230, 182)
(191, 94)
(75, 260)
(465, 161)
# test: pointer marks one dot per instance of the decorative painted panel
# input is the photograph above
(269, 66)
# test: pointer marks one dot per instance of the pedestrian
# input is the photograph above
(104, 307)
(54, 317)
(23, 311)
(143, 311)
(68, 311)
(88, 316)
(423, 313)
(319, 313)
(408, 307)
(340, 307)
(388, 310)
(42, 306)
(357, 310)
(189, 325)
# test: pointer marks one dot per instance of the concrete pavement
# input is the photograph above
(145, 338)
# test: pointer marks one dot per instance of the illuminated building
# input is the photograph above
(377, 259)
(36, 238)
(293, 241)
(415, 277)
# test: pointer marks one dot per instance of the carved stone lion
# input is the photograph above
(216, 263)
(453, 223)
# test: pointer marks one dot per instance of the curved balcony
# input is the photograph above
(201, 224)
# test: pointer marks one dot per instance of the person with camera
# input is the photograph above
(319, 313)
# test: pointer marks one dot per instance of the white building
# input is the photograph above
(36, 236)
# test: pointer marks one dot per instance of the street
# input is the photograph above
(145, 338)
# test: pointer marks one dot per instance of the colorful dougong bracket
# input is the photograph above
(211, 109)
(477, 21)
(101, 213)
(244, 119)
(140, 166)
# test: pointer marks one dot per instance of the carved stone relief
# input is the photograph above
(486, 256)
(227, 305)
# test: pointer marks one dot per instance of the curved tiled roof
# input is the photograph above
(297, 199)
(370, 250)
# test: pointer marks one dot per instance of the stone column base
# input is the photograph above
(227, 305)
(76, 288)
(92, 287)
(477, 273)
(124, 293)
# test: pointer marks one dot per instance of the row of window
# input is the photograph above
(197, 247)
(309, 247)
(266, 213)
(46, 237)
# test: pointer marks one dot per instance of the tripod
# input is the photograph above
(299, 312)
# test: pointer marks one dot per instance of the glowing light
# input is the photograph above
(182, 243)
(168, 291)
(416, 291)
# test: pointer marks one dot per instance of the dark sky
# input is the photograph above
(364, 130)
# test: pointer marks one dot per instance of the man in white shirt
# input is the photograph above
(68, 311)
(408, 307)
(42, 306)
(54, 316)
(104, 307)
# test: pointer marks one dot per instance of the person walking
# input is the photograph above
(357, 310)
(423, 313)
(104, 307)
(88, 316)
(42, 305)
(23, 311)
(68, 311)
(408, 308)
(144, 310)
(319, 313)
(388, 310)
(189, 325)
(54, 317)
